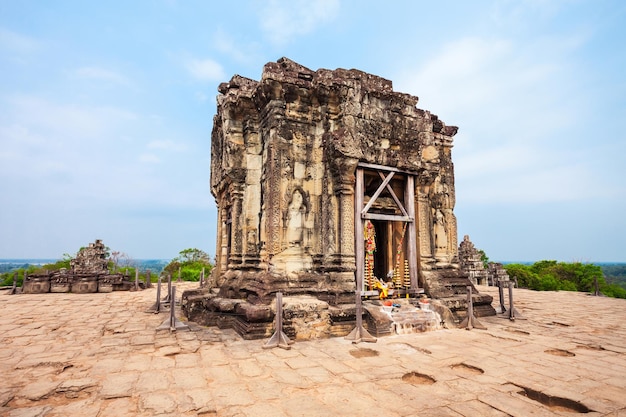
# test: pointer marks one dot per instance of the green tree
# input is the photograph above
(190, 263)
(525, 277)
(193, 255)
(484, 258)
(561, 276)
(613, 290)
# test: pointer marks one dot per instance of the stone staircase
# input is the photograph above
(449, 287)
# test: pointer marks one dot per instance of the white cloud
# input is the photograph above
(528, 181)
(476, 74)
(516, 105)
(201, 96)
(101, 74)
(149, 158)
(68, 119)
(282, 20)
(513, 13)
(17, 42)
(225, 43)
(168, 145)
(205, 69)
(58, 149)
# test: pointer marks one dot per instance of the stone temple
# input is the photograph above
(328, 184)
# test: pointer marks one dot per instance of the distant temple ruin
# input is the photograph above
(471, 262)
(88, 273)
(478, 272)
(328, 183)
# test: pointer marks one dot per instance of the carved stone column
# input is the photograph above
(344, 179)
(236, 229)
(273, 203)
(220, 249)
(424, 230)
(345, 196)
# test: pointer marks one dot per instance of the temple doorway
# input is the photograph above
(385, 229)
(390, 248)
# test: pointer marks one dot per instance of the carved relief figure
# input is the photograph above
(295, 219)
(440, 195)
(441, 230)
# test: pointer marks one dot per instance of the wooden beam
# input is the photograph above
(394, 196)
(359, 246)
(390, 246)
(388, 217)
(377, 193)
(409, 198)
(385, 168)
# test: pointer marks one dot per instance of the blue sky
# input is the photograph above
(106, 113)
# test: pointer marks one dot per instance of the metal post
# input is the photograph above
(14, 287)
(169, 289)
(158, 301)
(172, 323)
(279, 338)
(470, 322)
(511, 305)
(156, 307)
(172, 307)
(501, 294)
(513, 313)
(136, 279)
(359, 334)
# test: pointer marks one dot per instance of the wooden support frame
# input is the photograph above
(362, 213)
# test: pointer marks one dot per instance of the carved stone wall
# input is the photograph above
(284, 154)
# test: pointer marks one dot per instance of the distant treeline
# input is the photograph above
(576, 276)
(10, 266)
(154, 265)
(615, 274)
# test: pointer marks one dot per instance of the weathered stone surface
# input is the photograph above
(118, 385)
(39, 389)
(317, 377)
(301, 162)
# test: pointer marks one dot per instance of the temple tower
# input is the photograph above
(326, 181)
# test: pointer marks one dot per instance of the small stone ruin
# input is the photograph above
(329, 185)
(497, 274)
(472, 264)
(88, 273)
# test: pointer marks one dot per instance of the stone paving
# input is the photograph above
(100, 355)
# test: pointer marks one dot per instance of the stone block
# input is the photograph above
(85, 285)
